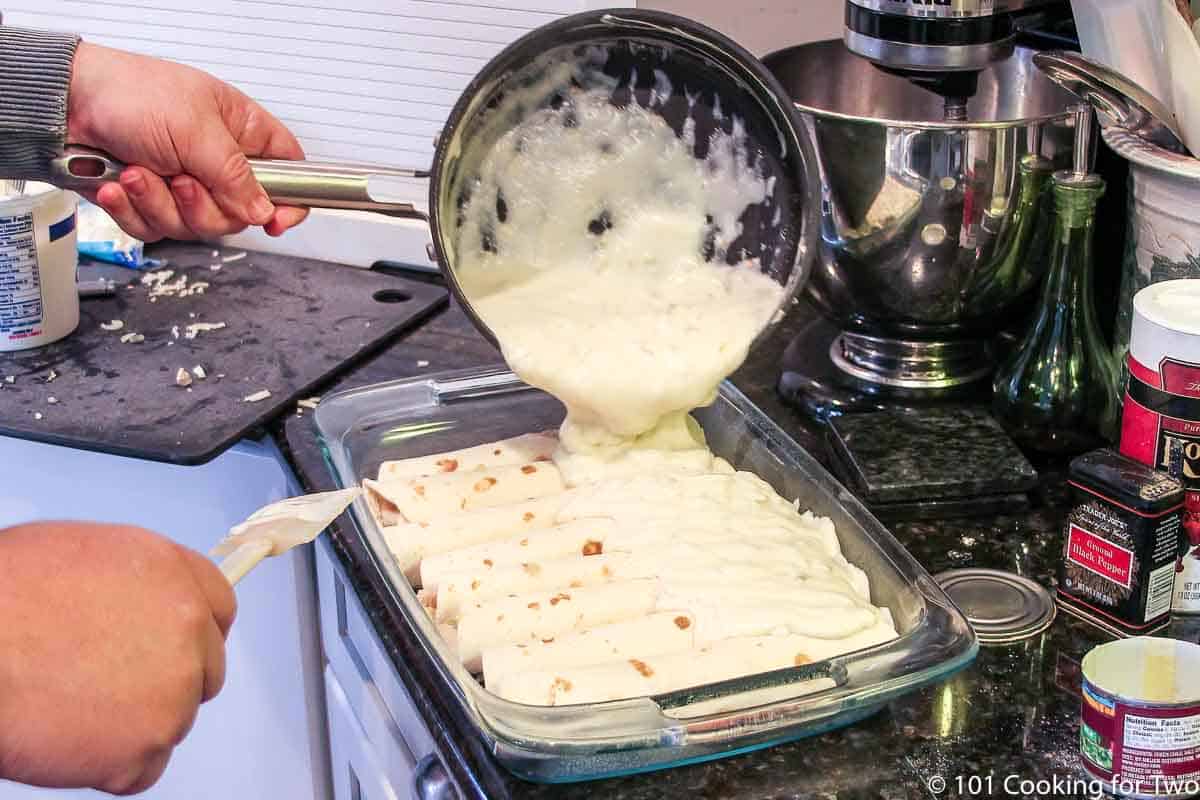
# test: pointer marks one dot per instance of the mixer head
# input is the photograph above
(934, 36)
(940, 45)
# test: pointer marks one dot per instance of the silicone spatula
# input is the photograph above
(277, 528)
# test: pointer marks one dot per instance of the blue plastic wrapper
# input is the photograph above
(101, 239)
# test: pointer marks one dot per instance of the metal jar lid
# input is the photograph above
(1002, 607)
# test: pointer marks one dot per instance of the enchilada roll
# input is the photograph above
(429, 497)
(759, 617)
(471, 588)
(542, 616)
(410, 542)
(697, 586)
(581, 537)
(657, 495)
(525, 449)
(680, 551)
(383, 510)
(648, 675)
(650, 635)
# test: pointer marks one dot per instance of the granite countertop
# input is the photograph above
(1014, 712)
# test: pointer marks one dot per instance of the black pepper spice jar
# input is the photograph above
(1120, 543)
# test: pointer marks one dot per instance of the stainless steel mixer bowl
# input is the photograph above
(925, 233)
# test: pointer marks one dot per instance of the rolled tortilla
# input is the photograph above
(426, 498)
(383, 510)
(524, 449)
(411, 542)
(677, 553)
(706, 588)
(473, 588)
(706, 524)
(660, 496)
(758, 617)
(642, 676)
(581, 537)
(651, 635)
(507, 567)
(542, 616)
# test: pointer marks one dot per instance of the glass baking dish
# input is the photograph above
(361, 428)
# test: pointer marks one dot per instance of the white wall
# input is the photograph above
(762, 26)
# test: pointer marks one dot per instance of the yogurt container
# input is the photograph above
(39, 300)
(1140, 731)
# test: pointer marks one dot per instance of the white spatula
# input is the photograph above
(277, 528)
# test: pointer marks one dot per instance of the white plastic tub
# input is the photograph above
(39, 301)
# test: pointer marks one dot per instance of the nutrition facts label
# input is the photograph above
(1161, 746)
(20, 285)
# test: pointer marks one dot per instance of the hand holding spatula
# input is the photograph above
(277, 528)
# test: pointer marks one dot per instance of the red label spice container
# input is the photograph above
(1160, 422)
(1119, 544)
(1140, 729)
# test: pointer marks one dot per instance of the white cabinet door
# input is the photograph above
(357, 773)
(379, 739)
(264, 736)
(362, 665)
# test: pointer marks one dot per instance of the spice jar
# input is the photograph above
(1160, 424)
(1119, 544)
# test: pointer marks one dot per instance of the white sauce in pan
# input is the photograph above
(593, 275)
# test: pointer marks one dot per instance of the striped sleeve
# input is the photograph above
(35, 73)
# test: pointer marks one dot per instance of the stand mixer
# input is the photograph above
(933, 132)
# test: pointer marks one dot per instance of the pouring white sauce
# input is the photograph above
(583, 248)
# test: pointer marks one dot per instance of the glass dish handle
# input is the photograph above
(769, 688)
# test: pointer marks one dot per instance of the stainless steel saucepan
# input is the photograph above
(697, 80)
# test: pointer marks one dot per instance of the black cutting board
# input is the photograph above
(290, 325)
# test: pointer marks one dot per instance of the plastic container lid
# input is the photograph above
(1174, 305)
(1002, 607)
(35, 194)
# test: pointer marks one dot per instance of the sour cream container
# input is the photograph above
(1160, 424)
(1140, 728)
(39, 301)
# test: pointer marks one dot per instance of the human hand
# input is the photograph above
(169, 120)
(110, 638)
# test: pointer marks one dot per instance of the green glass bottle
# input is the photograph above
(1012, 264)
(1058, 391)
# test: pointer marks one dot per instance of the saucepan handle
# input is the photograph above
(314, 184)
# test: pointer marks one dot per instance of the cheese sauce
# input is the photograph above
(597, 248)
(583, 248)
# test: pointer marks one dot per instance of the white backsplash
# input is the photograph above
(766, 25)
